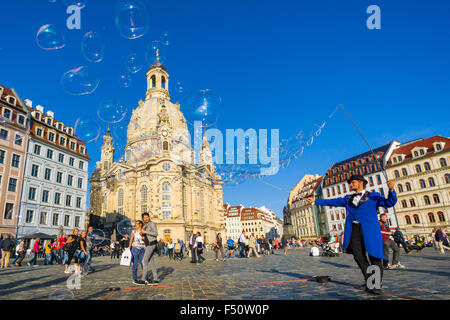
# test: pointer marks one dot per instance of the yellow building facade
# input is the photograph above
(158, 173)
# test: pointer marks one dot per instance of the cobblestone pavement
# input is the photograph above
(270, 277)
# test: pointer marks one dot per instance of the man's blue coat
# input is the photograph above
(366, 214)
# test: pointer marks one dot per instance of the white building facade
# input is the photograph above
(55, 178)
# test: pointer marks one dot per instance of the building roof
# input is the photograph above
(406, 149)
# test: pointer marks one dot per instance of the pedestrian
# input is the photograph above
(35, 251)
(389, 244)
(61, 253)
(442, 240)
(150, 235)
(71, 246)
(170, 247)
(22, 252)
(81, 253)
(6, 246)
(192, 237)
(199, 245)
(48, 253)
(16, 253)
(137, 246)
(400, 240)
(284, 245)
(362, 232)
(252, 246)
(183, 248)
(218, 247)
(160, 247)
(90, 241)
(230, 245)
(242, 245)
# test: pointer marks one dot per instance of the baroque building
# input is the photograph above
(421, 172)
(159, 173)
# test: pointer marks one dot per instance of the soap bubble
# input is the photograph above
(132, 18)
(97, 237)
(79, 3)
(124, 227)
(179, 86)
(79, 81)
(87, 129)
(50, 38)
(165, 38)
(133, 64)
(152, 48)
(61, 294)
(124, 80)
(111, 111)
(119, 131)
(159, 297)
(203, 106)
(92, 47)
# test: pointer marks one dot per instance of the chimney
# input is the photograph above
(40, 108)
(51, 114)
(29, 103)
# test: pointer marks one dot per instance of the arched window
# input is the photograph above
(165, 145)
(163, 82)
(447, 178)
(416, 218)
(441, 216)
(332, 217)
(404, 172)
(397, 174)
(427, 166)
(436, 198)
(120, 196)
(422, 183)
(416, 154)
(418, 168)
(408, 186)
(412, 202)
(144, 194)
(426, 199)
(431, 217)
(443, 162)
(408, 219)
(438, 147)
(166, 206)
(400, 188)
(153, 80)
(431, 182)
(422, 152)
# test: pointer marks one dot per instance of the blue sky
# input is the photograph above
(277, 65)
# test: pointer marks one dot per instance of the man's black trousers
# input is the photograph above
(359, 252)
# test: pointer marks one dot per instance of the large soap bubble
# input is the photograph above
(133, 64)
(50, 38)
(92, 47)
(111, 111)
(79, 81)
(203, 106)
(87, 129)
(154, 49)
(132, 18)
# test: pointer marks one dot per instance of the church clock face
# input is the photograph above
(164, 133)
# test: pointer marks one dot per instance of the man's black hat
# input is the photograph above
(357, 177)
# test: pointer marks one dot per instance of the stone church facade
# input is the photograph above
(158, 173)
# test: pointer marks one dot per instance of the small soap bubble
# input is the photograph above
(61, 294)
(124, 80)
(79, 3)
(111, 111)
(79, 81)
(92, 47)
(49, 37)
(132, 19)
(155, 49)
(87, 129)
(133, 64)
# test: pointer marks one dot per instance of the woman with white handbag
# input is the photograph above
(137, 246)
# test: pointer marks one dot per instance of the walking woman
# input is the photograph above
(199, 244)
(35, 250)
(22, 252)
(80, 254)
(284, 244)
(137, 246)
(71, 247)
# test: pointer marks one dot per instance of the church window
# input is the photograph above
(163, 82)
(120, 200)
(165, 145)
(144, 194)
(153, 79)
(166, 206)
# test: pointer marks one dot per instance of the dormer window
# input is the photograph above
(395, 160)
(416, 154)
(11, 100)
(82, 150)
(1, 91)
(59, 126)
(7, 113)
(49, 121)
(72, 145)
(69, 131)
(422, 152)
(438, 147)
(37, 116)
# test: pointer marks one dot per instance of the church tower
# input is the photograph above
(107, 151)
(157, 80)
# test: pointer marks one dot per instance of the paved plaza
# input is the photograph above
(269, 277)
